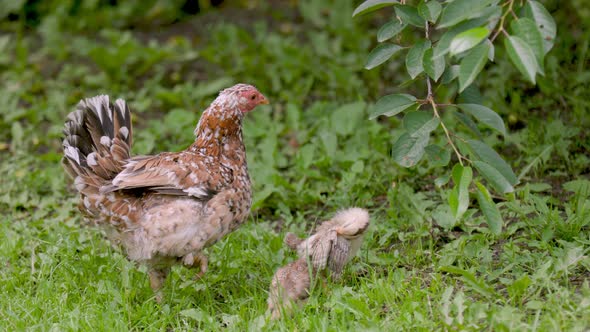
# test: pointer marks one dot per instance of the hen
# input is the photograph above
(162, 209)
(335, 242)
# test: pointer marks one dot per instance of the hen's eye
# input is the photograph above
(253, 97)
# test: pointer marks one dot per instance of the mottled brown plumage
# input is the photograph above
(333, 244)
(165, 208)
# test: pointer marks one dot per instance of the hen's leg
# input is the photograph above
(157, 278)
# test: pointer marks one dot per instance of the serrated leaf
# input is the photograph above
(493, 176)
(472, 64)
(409, 15)
(420, 123)
(390, 29)
(466, 40)
(437, 157)
(527, 30)
(486, 154)
(489, 209)
(522, 56)
(477, 284)
(459, 196)
(372, 5)
(391, 105)
(380, 54)
(429, 10)
(485, 116)
(408, 150)
(544, 21)
(433, 67)
(414, 58)
(461, 10)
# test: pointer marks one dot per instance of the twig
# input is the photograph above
(501, 29)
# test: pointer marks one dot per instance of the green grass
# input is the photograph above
(311, 152)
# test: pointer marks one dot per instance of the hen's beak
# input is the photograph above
(264, 101)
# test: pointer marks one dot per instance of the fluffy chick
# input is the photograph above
(336, 241)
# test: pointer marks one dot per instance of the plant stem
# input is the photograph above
(430, 99)
(501, 29)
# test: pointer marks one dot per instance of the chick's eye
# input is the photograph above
(253, 97)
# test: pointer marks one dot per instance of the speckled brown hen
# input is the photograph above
(166, 208)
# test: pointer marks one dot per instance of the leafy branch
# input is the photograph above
(458, 41)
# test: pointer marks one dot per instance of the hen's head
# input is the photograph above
(244, 97)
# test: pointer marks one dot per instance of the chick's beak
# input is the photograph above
(263, 100)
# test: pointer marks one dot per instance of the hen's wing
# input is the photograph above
(184, 173)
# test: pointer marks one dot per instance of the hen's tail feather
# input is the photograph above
(98, 137)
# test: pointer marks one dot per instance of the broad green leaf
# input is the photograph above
(372, 5)
(390, 29)
(494, 177)
(450, 74)
(414, 58)
(430, 10)
(489, 209)
(472, 64)
(381, 54)
(408, 150)
(522, 56)
(444, 43)
(461, 10)
(459, 196)
(437, 156)
(485, 116)
(434, 67)
(491, 51)
(466, 40)
(420, 123)
(527, 30)
(468, 122)
(486, 154)
(544, 21)
(344, 119)
(409, 15)
(443, 179)
(391, 105)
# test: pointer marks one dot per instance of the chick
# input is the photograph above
(335, 243)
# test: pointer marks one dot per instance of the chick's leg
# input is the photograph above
(157, 278)
(203, 262)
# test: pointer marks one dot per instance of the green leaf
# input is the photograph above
(409, 15)
(444, 43)
(391, 105)
(527, 30)
(408, 150)
(485, 116)
(493, 176)
(489, 209)
(415, 56)
(372, 5)
(466, 120)
(390, 29)
(486, 154)
(522, 56)
(477, 284)
(381, 54)
(472, 64)
(459, 196)
(433, 67)
(420, 123)
(461, 10)
(430, 10)
(450, 74)
(437, 156)
(544, 21)
(466, 40)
